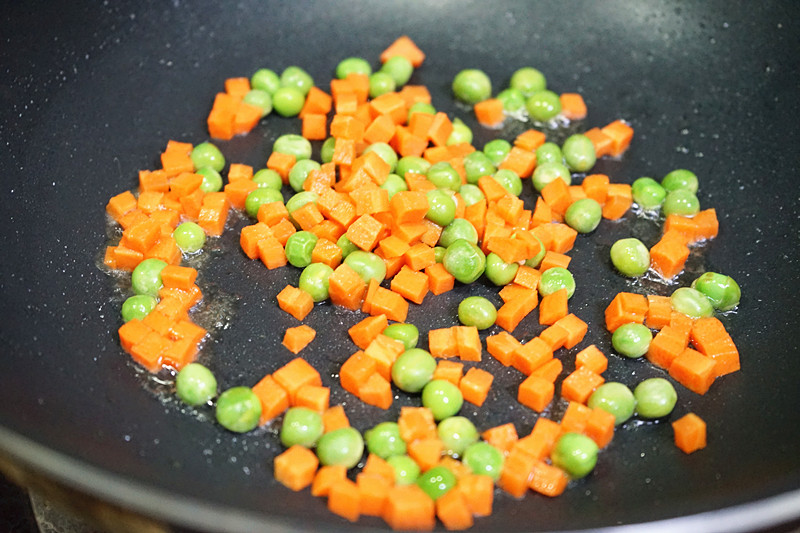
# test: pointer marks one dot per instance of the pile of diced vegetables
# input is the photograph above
(400, 208)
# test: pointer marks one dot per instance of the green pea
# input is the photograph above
(615, 398)
(459, 228)
(367, 265)
(464, 260)
(288, 101)
(484, 459)
(471, 194)
(414, 164)
(258, 197)
(632, 339)
(314, 280)
(648, 193)
(343, 446)
(195, 384)
(547, 172)
(326, 150)
(299, 247)
(472, 86)
(293, 144)
(457, 433)
(146, 277)
(261, 99)
(384, 440)
(301, 426)
(444, 176)
(497, 150)
(299, 200)
(381, 83)
(512, 99)
(655, 398)
(549, 152)
(691, 302)
(268, 178)
(385, 152)
(437, 481)
(498, 271)
(300, 171)
(421, 107)
(238, 409)
(207, 155)
(346, 246)
(394, 184)
(543, 105)
(461, 133)
(266, 80)
(509, 180)
(576, 454)
(189, 237)
(680, 179)
(441, 207)
(138, 307)
(477, 165)
(438, 253)
(406, 469)
(353, 65)
(584, 215)
(534, 261)
(630, 257)
(212, 181)
(413, 369)
(554, 279)
(399, 68)
(443, 398)
(477, 311)
(297, 78)
(722, 291)
(579, 153)
(681, 202)
(528, 80)
(408, 334)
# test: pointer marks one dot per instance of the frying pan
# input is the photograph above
(91, 93)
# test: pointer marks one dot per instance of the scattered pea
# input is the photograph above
(384, 440)
(444, 176)
(297, 78)
(302, 426)
(477, 165)
(632, 339)
(576, 454)
(189, 237)
(437, 481)
(441, 207)
(655, 398)
(394, 184)
(443, 398)
(413, 370)
(528, 80)
(615, 398)
(471, 194)
(680, 179)
(399, 68)
(648, 193)
(498, 271)
(691, 302)
(261, 99)
(630, 257)
(146, 277)
(477, 311)
(408, 334)
(484, 459)
(461, 133)
(513, 100)
(207, 155)
(721, 290)
(549, 152)
(386, 153)
(353, 65)
(258, 197)
(472, 86)
(414, 164)
(212, 181)
(584, 215)
(543, 105)
(343, 446)
(268, 178)
(457, 433)
(314, 280)
(367, 265)
(554, 279)
(326, 150)
(299, 246)
(534, 261)
(266, 80)
(547, 172)
(464, 260)
(138, 306)
(288, 101)
(238, 409)
(293, 144)
(195, 384)
(346, 246)
(497, 150)
(406, 469)
(509, 180)
(579, 153)
(681, 202)
(381, 83)
(300, 171)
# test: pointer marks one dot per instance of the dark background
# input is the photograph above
(92, 92)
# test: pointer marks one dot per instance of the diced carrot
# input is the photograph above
(420, 256)
(439, 279)
(475, 385)
(553, 307)
(380, 130)
(478, 490)
(618, 200)
(416, 423)
(511, 313)
(426, 452)
(516, 474)
(620, 134)
(384, 350)
(489, 112)
(531, 355)
(376, 466)
(530, 140)
(502, 437)
(220, 118)
(550, 370)
(535, 392)
(693, 370)
(659, 310)
(344, 499)
(356, 370)
(454, 511)
(178, 277)
(690, 433)
(580, 384)
(600, 427)
(442, 342)
(296, 302)
(575, 327)
(711, 339)
(391, 104)
(411, 285)
(668, 256)
(408, 507)
(376, 391)
(334, 417)
(403, 46)
(540, 440)
(296, 467)
(592, 358)
(373, 490)
(281, 163)
(449, 370)
(625, 307)
(294, 374)
(365, 331)
(502, 347)
(326, 477)
(666, 345)
(548, 480)
(388, 302)
(314, 397)
(575, 418)
(297, 338)
(596, 187)
(346, 288)
(572, 106)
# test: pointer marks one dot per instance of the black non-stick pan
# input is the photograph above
(92, 91)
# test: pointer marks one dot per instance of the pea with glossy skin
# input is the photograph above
(343, 446)
(528, 80)
(441, 207)
(299, 200)
(543, 105)
(266, 80)
(513, 100)
(207, 155)
(721, 290)
(681, 202)
(498, 271)
(384, 440)
(413, 369)
(576, 454)
(579, 153)
(146, 277)
(326, 150)
(346, 245)
(555, 279)
(195, 384)
(399, 68)
(509, 180)
(408, 334)
(297, 78)
(138, 307)
(381, 83)
(615, 398)
(421, 107)
(314, 280)
(288, 101)
(472, 86)
(212, 181)
(438, 253)
(584, 215)
(367, 265)
(691, 302)
(406, 469)
(484, 459)
(655, 398)
(260, 99)
(386, 153)
(549, 152)
(394, 184)
(547, 172)
(648, 193)
(632, 339)
(353, 65)
(268, 179)
(443, 398)
(189, 237)
(461, 134)
(437, 481)
(471, 194)
(464, 260)
(457, 433)
(238, 409)
(630, 257)
(680, 179)
(302, 426)
(477, 165)
(444, 176)
(299, 247)
(293, 144)
(414, 164)
(258, 197)
(299, 173)
(497, 150)
(477, 311)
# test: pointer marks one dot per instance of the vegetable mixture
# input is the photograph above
(400, 205)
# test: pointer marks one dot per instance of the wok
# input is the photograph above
(91, 93)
